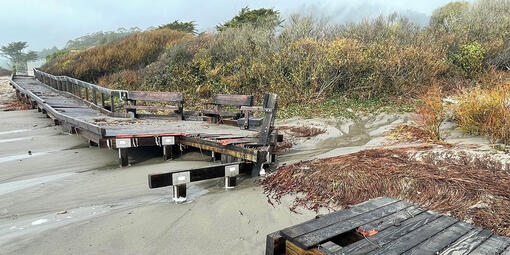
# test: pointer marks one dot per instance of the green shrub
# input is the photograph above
(470, 58)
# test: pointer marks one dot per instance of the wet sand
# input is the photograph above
(111, 210)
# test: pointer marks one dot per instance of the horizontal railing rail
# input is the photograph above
(86, 91)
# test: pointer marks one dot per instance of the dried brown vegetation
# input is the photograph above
(408, 133)
(15, 106)
(463, 188)
(303, 131)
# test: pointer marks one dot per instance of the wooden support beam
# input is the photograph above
(168, 152)
(196, 174)
(179, 193)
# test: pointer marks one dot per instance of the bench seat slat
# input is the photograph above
(151, 108)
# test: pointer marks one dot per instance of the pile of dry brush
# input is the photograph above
(465, 189)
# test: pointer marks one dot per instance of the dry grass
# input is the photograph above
(408, 133)
(463, 188)
(485, 111)
(133, 52)
(430, 114)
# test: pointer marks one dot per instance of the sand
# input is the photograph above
(111, 210)
(67, 198)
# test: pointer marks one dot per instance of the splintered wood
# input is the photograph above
(466, 189)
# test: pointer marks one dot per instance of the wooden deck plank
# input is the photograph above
(416, 237)
(393, 219)
(442, 239)
(329, 248)
(327, 220)
(468, 242)
(316, 237)
(493, 245)
(389, 234)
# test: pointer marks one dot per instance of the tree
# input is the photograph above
(447, 16)
(187, 27)
(255, 17)
(14, 52)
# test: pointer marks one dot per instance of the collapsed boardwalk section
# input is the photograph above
(113, 119)
(385, 225)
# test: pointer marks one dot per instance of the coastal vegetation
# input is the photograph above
(315, 65)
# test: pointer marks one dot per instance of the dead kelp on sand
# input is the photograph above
(465, 189)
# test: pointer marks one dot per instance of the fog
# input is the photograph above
(48, 23)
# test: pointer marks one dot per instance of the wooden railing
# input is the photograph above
(94, 95)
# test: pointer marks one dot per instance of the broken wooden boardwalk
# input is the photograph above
(385, 226)
(109, 119)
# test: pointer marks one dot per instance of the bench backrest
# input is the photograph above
(237, 100)
(155, 96)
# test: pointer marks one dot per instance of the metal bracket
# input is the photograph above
(181, 178)
(232, 170)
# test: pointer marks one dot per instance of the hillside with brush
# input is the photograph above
(317, 68)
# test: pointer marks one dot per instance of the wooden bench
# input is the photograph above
(385, 225)
(167, 97)
(218, 113)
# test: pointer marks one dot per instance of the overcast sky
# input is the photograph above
(47, 23)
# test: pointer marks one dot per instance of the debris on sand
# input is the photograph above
(283, 146)
(303, 131)
(408, 133)
(454, 186)
(15, 106)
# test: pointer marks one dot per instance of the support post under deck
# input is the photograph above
(123, 157)
(168, 152)
(179, 192)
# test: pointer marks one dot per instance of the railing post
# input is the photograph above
(112, 102)
(102, 100)
(87, 94)
(94, 96)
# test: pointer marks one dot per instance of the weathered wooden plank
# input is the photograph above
(329, 248)
(314, 238)
(220, 113)
(275, 244)
(293, 249)
(389, 234)
(493, 245)
(393, 219)
(416, 237)
(468, 242)
(237, 100)
(151, 107)
(442, 239)
(236, 151)
(270, 102)
(155, 96)
(327, 220)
